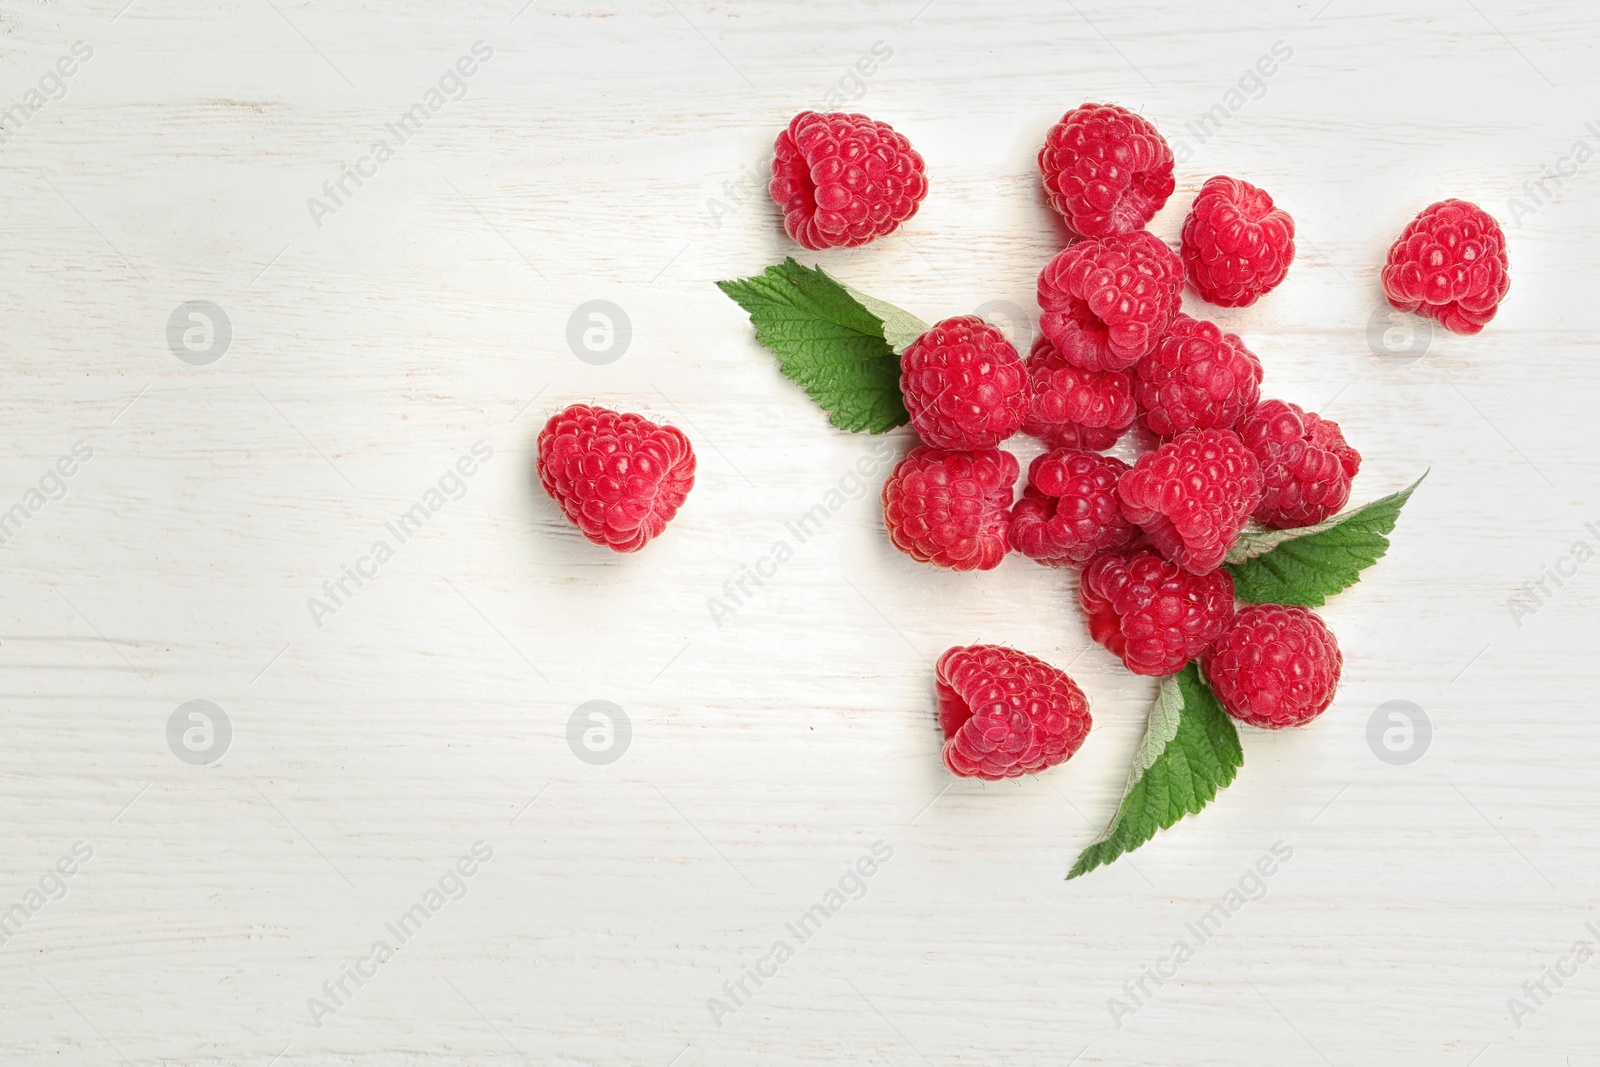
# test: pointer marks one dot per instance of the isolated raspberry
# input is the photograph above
(843, 180)
(951, 508)
(1075, 408)
(1152, 613)
(1196, 378)
(964, 385)
(618, 478)
(1107, 301)
(1005, 713)
(1069, 513)
(1106, 170)
(1192, 496)
(1275, 666)
(1306, 467)
(1450, 265)
(1236, 245)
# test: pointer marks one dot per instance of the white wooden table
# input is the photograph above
(610, 153)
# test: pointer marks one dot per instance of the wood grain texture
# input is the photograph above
(430, 312)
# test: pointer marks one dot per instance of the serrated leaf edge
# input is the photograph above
(1148, 753)
(896, 327)
(1253, 544)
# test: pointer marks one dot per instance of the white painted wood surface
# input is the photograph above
(430, 712)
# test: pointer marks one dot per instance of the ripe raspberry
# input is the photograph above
(1154, 614)
(1236, 245)
(1196, 378)
(1106, 170)
(964, 385)
(1306, 467)
(1069, 513)
(1005, 714)
(1450, 265)
(1192, 496)
(843, 180)
(951, 508)
(1107, 301)
(1075, 408)
(618, 478)
(1275, 666)
(1071, 435)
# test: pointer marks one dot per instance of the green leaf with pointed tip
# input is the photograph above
(1306, 566)
(1190, 750)
(842, 347)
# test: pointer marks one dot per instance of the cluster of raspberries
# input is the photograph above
(1115, 349)
(1150, 537)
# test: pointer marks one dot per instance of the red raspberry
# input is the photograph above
(1196, 378)
(618, 478)
(1192, 496)
(1069, 512)
(1306, 467)
(951, 508)
(843, 180)
(1154, 614)
(1276, 666)
(1236, 245)
(964, 385)
(1107, 301)
(1450, 265)
(1106, 170)
(1075, 408)
(1071, 435)
(1005, 714)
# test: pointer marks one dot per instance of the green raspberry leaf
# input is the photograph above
(900, 328)
(1190, 750)
(1306, 566)
(841, 346)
